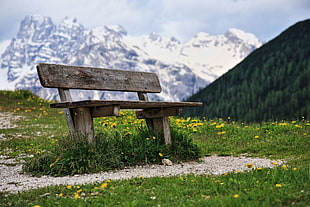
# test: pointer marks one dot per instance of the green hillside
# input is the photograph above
(272, 83)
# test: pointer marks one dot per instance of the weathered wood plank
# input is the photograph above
(112, 110)
(159, 112)
(77, 77)
(124, 104)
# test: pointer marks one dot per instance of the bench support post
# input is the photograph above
(157, 119)
(161, 126)
(79, 120)
(83, 123)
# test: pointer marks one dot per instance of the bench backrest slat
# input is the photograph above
(77, 77)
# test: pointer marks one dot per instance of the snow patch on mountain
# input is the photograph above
(183, 68)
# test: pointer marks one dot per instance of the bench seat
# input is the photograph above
(124, 104)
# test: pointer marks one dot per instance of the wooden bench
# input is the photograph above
(80, 114)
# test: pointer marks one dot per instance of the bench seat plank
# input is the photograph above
(124, 104)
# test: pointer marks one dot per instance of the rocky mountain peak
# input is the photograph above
(182, 68)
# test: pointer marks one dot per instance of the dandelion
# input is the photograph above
(69, 186)
(104, 185)
(259, 169)
(181, 178)
(220, 126)
(236, 196)
(295, 168)
(160, 154)
(256, 137)
(36, 206)
(154, 138)
(220, 133)
(76, 196)
(51, 165)
(60, 194)
(273, 163)
(278, 185)
(249, 165)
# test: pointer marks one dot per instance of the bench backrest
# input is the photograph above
(89, 78)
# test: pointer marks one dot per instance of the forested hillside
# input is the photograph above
(272, 83)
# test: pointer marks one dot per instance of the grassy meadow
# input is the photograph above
(42, 132)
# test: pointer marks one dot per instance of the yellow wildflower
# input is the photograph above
(104, 185)
(249, 165)
(236, 196)
(220, 126)
(278, 185)
(69, 186)
(274, 163)
(160, 154)
(256, 137)
(76, 196)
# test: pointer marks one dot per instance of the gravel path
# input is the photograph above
(13, 181)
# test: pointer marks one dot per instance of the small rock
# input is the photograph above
(166, 162)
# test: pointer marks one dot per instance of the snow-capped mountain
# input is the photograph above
(182, 68)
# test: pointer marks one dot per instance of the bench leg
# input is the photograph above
(83, 123)
(160, 126)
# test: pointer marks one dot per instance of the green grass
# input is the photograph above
(41, 129)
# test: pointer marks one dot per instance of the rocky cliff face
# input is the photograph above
(182, 68)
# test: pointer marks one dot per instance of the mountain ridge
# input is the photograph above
(182, 68)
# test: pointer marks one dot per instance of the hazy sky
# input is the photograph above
(179, 18)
